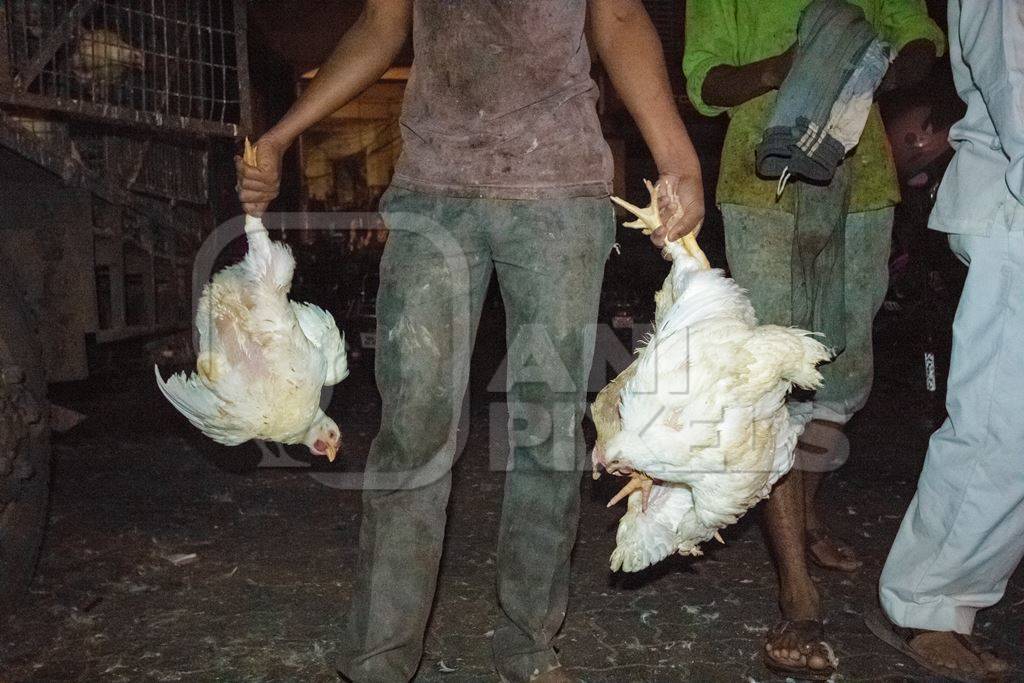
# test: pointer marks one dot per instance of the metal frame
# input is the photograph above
(121, 98)
(33, 76)
(73, 172)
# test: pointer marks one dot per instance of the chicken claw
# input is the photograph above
(249, 154)
(648, 220)
(637, 482)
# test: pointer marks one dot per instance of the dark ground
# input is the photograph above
(264, 599)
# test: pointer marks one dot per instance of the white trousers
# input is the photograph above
(963, 534)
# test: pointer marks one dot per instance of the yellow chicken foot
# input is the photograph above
(648, 220)
(637, 482)
(249, 154)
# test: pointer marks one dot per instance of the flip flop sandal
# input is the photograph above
(815, 536)
(899, 639)
(814, 631)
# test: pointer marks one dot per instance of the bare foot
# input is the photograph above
(794, 645)
(829, 552)
(956, 652)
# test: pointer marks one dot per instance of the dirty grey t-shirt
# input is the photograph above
(500, 102)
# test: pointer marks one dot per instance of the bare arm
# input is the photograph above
(630, 50)
(730, 86)
(362, 55)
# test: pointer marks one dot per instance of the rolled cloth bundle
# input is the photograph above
(824, 102)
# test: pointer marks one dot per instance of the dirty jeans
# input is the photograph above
(549, 257)
(759, 246)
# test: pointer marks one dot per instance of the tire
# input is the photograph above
(24, 448)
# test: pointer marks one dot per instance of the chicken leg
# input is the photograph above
(249, 154)
(649, 220)
(637, 482)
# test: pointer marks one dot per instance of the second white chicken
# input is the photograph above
(699, 422)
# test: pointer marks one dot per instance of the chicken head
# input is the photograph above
(324, 437)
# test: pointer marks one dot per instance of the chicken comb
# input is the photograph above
(249, 154)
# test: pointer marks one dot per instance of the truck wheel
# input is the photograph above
(24, 448)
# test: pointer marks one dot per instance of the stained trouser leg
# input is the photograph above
(848, 378)
(961, 537)
(549, 257)
(434, 274)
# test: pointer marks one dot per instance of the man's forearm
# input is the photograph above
(362, 55)
(630, 50)
(731, 86)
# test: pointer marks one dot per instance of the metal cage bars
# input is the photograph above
(168, 64)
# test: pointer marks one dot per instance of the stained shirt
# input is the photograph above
(500, 102)
(738, 32)
(983, 188)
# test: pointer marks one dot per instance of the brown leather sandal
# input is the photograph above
(900, 639)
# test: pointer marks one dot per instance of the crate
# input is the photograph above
(108, 110)
(168, 64)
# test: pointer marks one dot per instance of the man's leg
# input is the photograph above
(434, 274)
(550, 258)
(848, 378)
(960, 539)
(759, 246)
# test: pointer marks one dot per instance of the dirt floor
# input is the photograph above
(264, 598)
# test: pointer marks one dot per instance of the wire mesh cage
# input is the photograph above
(175, 170)
(166, 63)
(122, 99)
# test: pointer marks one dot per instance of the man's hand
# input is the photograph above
(631, 52)
(680, 205)
(361, 57)
(259, 185)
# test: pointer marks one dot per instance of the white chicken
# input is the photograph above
(263, 359)
(102, 57)
(699, 422)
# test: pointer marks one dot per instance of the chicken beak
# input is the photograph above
(332, 453)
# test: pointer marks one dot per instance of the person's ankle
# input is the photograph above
(800, 602)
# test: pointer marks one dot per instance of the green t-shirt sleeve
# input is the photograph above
(711, 40)
(904, 21)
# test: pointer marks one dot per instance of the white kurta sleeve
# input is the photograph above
(991, 35)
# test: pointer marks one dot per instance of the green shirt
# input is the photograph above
(738, 32)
